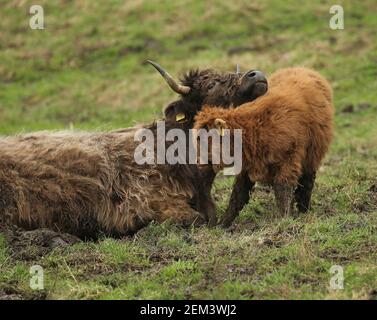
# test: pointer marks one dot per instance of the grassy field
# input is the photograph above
(86, 70)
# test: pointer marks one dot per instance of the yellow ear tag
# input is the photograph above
(180, 116)
(222, 132)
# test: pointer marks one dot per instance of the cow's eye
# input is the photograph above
(211, 85)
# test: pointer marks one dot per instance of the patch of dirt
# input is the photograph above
(242, 49)
(349, 108)
(238, 227)
(303, 279)
(92, 264)
(280, 237)
(248, 293)
(373, 188)
(279, 261)
(259, 44)
(350, 226)
(356, 254)
(31, 245)
(373, 295)
(197, 48)
(11, 293)
(353, 108)
(164, 257)
(6, 295)
(84, 50)
(194, 35)
(368, 203)
(148, 44)
(239, 270)
(354, 47)
(333, 40)
(335, 255)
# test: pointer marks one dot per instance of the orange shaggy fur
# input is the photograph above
(285, 133)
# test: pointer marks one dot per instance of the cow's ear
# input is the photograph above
(170, 110)
(220, 125)
(176, 111)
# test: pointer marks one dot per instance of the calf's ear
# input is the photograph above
(220, 125)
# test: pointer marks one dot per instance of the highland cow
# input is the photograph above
(88, 184)
(285, 134)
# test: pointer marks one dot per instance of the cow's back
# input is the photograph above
(54, 180)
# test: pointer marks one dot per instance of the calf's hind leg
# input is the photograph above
(283, 197)
(304, 190)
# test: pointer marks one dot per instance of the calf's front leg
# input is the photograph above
(240, 196)
(205, 204)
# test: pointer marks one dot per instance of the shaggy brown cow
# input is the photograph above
(88, 183)
(286, 133)
(199, 87)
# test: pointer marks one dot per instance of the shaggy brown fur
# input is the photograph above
(220, 89)
(214, 88)
(88, 183)
(286, 133)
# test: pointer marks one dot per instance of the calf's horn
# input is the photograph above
(178, 88)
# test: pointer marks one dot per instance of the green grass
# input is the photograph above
(87, 70)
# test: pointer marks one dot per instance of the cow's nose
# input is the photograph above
(255, 75)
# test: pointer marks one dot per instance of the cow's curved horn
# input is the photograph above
(178, 88)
